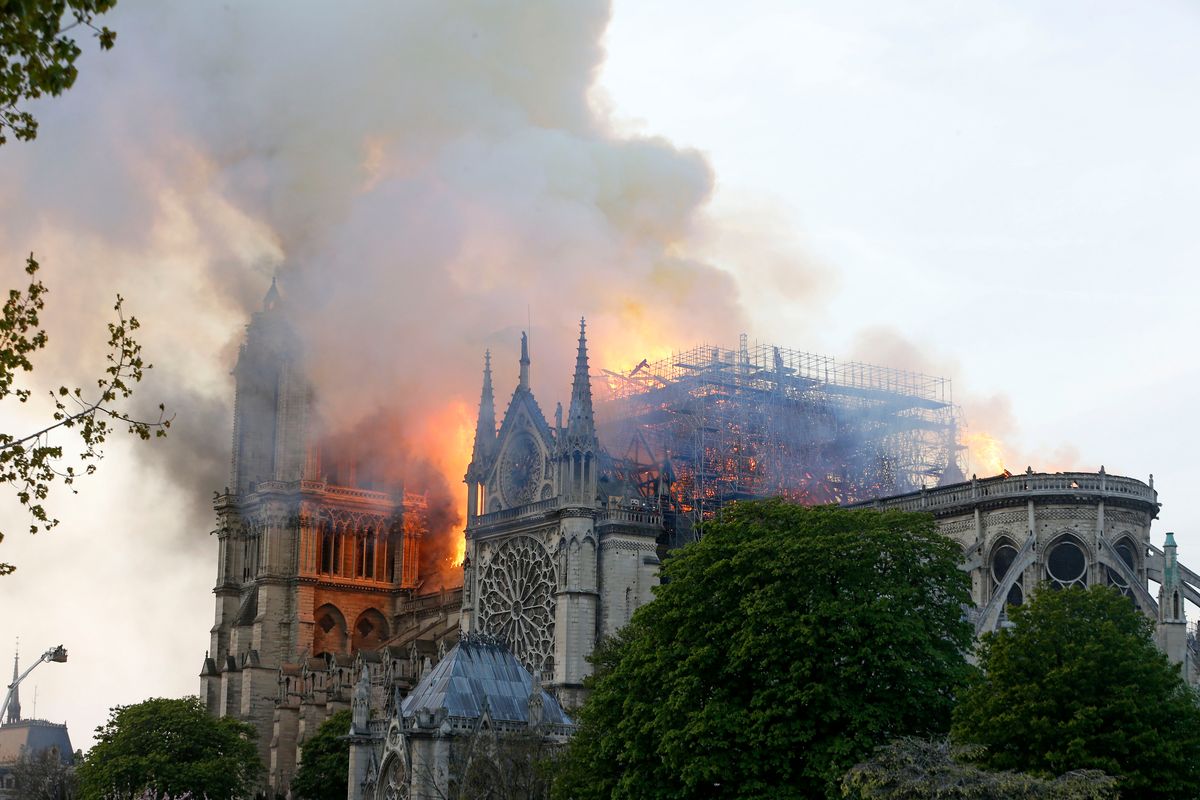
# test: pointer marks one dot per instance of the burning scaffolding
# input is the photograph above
(711, 425)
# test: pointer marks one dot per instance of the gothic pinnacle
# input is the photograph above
(271, 300)
(524, 384)
(13, 712)
(485, 427)
(580, 421)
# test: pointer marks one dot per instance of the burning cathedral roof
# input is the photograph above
(711, 425)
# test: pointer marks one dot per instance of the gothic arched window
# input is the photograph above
(1066, 563)
(1003, 556)
(326, 548)
(1125, 551)
(369, 554)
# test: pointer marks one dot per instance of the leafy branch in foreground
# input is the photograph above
(38, 57)
(31, 462)
(912, 767)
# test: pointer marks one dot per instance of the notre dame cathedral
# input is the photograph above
(319, 599)
(318, 576)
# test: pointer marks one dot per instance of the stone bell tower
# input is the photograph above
(311, 571)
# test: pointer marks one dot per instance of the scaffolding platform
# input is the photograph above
(710, 425)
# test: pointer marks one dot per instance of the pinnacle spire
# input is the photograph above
(580, 420)
(271, 300)
(13, 712)
(485, 427)
(524, 384)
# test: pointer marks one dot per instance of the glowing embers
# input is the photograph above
(1003, 556)
(1066, 563)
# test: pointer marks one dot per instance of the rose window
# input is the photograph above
(516, 600)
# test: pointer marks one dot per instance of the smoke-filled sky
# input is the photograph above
(1004, 194)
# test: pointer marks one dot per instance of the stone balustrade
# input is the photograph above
(1001, 490)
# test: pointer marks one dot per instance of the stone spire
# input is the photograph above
(1170, 593)
(271, 301)
(581, 424)
(485, 426)
(13, 711)
(524, 383)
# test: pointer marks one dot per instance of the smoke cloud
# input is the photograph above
(427, 179)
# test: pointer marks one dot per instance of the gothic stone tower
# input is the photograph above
(557, 555)
(306, 568)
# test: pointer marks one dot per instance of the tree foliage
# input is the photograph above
(171, 747)
(780, 650)
(1078, 683)
(30, 462)
(43, 776)
(38, 54)
(324, 761)
(913, 769)
(509, 765)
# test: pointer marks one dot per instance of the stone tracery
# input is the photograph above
(516, 599)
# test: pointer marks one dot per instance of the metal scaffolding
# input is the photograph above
(711, 425)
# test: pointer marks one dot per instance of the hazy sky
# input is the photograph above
(1001, 193)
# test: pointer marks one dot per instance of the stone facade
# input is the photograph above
(558, 553)
(1019, 532)
(316, 578)
(318, 606)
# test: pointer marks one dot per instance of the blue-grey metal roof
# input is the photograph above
(34, 736)
(476, 670)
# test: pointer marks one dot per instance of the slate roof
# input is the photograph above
(36, 736)
(475, 670)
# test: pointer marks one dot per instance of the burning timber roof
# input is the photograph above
(476, 673)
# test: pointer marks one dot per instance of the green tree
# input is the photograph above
(43, 776)
(38, 53)
(913, 769)
(781, 649)
(1078, 683)
(324, 761)
(509, 765)
(30, 461)
(171, 747)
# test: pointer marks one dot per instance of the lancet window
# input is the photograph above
(350, 548)
(1003, 556)
(1125, 551)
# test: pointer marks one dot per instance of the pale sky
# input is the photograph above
(1001, 193)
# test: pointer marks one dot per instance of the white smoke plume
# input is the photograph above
(421, 175)
(424, 177)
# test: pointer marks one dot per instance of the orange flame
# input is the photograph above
(985, 453)
(452, 453)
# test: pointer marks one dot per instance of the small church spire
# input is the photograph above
(1170, 603)
(580, 420)
(485, 426)
(524, 384)
(13, 711)
(272, 297)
